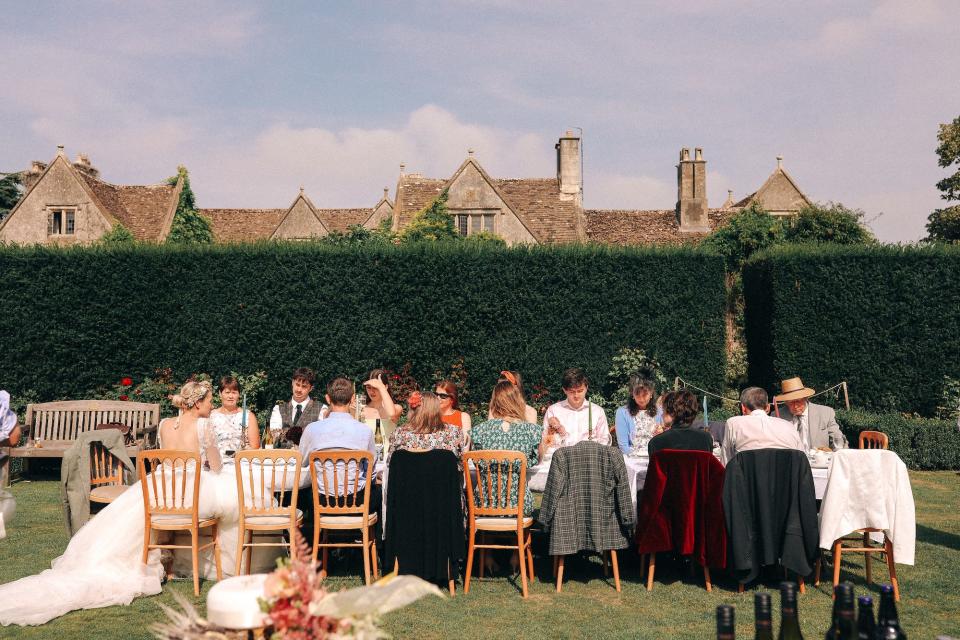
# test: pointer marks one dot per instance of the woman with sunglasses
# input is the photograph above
(450, 412)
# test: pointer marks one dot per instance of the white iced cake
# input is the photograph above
(232, 603)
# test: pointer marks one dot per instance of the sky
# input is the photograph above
(258, 99)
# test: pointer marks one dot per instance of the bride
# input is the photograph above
(102, 564)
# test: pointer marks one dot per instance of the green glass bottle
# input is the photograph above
(763, 620)
(725, 627)
(789, 620)
(842, 626)
(866, 625)
(888, 622)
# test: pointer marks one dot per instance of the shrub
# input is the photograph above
(886, 319)
(921, 443)
(118, 234)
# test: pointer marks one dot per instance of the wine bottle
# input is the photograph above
(866, 626)
(789, 622)
(888, 622)
(842, 626)
(377, 434)
(268, 439)
(725, 627)
(763, 620)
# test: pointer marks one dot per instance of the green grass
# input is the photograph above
(678, 607)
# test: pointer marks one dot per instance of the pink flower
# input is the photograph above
(277, 584)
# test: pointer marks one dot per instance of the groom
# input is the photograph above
(289, 419)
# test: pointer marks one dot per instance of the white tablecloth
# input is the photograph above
(283, 478)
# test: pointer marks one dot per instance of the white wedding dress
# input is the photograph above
(102, 565)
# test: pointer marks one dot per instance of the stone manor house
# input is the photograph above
(67, 202)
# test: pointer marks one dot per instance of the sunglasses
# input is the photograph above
(443, 396)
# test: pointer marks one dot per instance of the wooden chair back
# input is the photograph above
(66, 420)
(333, 468)
(874, 440)
(170, 480)
(495, 481)
(261, 474)
(105, 468)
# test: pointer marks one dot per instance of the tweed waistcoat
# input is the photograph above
(311, 413)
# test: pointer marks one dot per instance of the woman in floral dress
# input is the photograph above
(636, 422)
(425, 429)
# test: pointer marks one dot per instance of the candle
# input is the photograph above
(243, 415)
(589, 420)
(706, 417)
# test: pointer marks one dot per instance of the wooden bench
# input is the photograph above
(52, 427)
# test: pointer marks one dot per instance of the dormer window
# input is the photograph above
(61, 221)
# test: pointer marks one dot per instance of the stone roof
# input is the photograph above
(343, 219)
(535, 200)
(243, 225)
(650, 226)
(143, 209)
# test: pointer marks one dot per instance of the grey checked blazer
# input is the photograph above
(587, 504)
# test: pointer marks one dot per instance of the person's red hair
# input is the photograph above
(450, 389)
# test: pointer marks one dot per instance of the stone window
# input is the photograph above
(470, 222)
(61, 221)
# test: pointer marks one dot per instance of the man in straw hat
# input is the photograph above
(815, 423)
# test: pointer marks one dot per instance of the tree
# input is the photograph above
(11, 188)
(943, 225)
(189, 225)
(828, 223)
(747, 232)
(117, 235)
(433, 222)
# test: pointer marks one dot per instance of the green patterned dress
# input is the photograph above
(519, 436)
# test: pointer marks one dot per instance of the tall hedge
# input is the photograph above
(76, 318)
(884, 318)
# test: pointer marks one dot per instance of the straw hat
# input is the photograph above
(793, 389)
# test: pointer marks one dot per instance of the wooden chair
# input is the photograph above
(261, 475)
(170, 480)
(874, 440)
(346, 508)
(491, 512)
(106, 475)
(867, 549)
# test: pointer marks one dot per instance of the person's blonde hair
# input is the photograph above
(191, 393)
(507, 402)
(425, 418)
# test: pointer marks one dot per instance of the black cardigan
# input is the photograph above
(425, 514)
(770, 508)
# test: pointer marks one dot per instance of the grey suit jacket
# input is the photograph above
(824, 430)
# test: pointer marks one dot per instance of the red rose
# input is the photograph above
(124, 397)
(126, 382)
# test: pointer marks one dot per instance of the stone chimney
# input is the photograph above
(569, 170)
(692, 192)
(82, 164)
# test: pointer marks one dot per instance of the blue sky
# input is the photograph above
(257, 99)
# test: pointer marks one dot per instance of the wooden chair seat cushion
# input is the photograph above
(107, 493)
(493, 523)
(271, 521)
(345, 522)
(176, 521)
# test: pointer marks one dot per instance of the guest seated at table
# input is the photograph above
(679, 410)
(228, 420)
(425, 428)
(191, 429)
(508, 429)
(514, 378)
(757, 430)
(450, 412)
(636, 422)
(9, 427)
(575, 419)
(339, 430)
(288, 419)
(379, 402)
(816, 423)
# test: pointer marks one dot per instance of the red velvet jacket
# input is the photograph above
(681, 508)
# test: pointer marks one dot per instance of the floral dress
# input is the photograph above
(644, 428)
(228, 430)
(449, 437)
(519, 436)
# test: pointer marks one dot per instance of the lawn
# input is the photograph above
(678, 607)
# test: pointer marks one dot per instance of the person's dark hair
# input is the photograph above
(574, 377)
(340, 390)
(384, 378)
(754, 398)
(229, 382)
(681, 406)
(450, 389)
(636, 384)
(306, 374)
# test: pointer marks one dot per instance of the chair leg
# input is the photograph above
(195, 556)
(739, 587)
(216, 552)
(471, 541)
(316, 540)
(888, 551)
(326, 554)
(706, 578)
(373, 556)
(868, 564)
(450, 581)
(241, 534)
(816, 571)
(146, 543)
(559, 562)
(616, 569)
(803, 588)
(523, 565)
(366, 556)
(530, 573)
(651, 567)
(837, 554)
(249, 551)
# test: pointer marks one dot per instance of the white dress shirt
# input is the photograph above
(577, 424)
(759, 431)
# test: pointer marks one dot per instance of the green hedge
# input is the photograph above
(884, 318)
(922, 443)
(77, 318)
